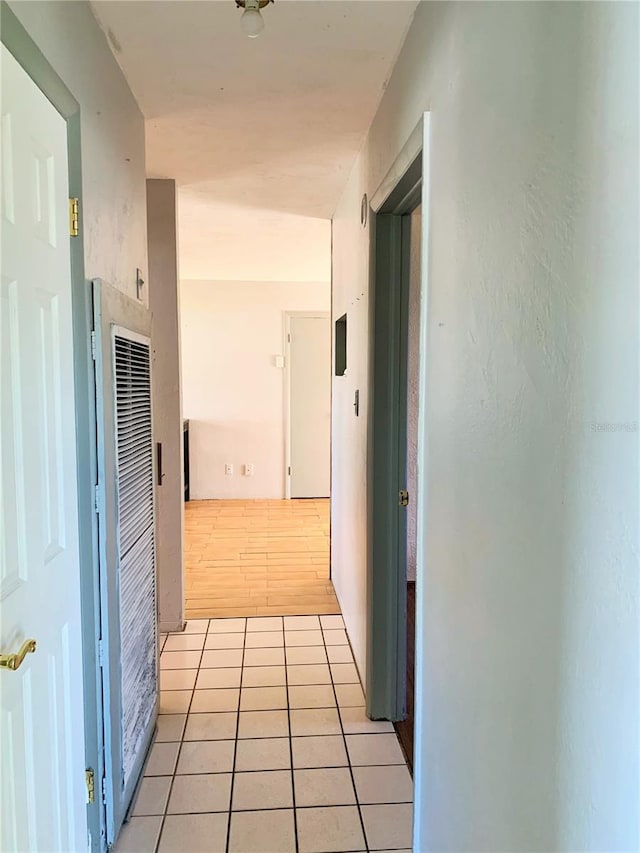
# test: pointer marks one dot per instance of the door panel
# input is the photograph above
(412, 354)
(387, 525)
(42, 728)
(310, 406)
(126, 541)
(136, 544)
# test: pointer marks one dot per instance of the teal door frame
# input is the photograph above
(20, 44)
(387, 461)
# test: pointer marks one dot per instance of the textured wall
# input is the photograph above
(167, 402)
(527, 675)
(349, 433)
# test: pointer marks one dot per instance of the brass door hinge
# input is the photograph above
(403, 498)
(74, 214)
(90, 780)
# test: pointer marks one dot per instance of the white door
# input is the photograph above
(41, 702)
(310, 406)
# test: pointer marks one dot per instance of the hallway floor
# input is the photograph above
(263, 746)
(257, 558)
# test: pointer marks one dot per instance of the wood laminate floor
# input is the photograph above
(257, 558)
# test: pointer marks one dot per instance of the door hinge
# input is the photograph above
(93, 345)
(288, 339)
(74, 216)
(100, 654)
(104, 790)
(403, 498)
(97, 498)
(289, 470)
(90, 781)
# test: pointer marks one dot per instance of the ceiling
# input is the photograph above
(260, 134)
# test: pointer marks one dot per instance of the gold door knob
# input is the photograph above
(14, 661)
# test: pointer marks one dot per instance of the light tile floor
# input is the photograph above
(263, 746)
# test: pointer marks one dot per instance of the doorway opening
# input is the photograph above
(257, 394)
(392, 541)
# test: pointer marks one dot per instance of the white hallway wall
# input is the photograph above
(167, 399)
(528, 675)
(233, 394)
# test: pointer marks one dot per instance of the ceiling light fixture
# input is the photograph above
(251, 21)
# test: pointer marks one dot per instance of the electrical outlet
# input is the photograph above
(228, 468)
(248, 470)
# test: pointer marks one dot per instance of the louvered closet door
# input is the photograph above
(127, 542)
(136, 548)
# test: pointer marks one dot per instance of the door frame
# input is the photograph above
(288, 316)
(401, 191)
(22, 47)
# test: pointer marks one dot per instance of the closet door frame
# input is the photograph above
(116, 314)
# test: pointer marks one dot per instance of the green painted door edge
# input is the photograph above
(20, 44)
(384, 595)
(387, 438)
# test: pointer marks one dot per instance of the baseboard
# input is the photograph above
(170, 627)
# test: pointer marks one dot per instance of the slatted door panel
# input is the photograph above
(126, 514)
(136, 546)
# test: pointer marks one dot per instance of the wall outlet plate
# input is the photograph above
(228, 468)
(249, 470)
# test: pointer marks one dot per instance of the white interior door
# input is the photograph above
(42, 725)
(310, 406)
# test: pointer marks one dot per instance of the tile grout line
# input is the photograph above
(272, 737)
(284, 808)
(235, 744)
(346, 749)
(243, 668)
(293, 782)
(278, 769)
(184, 728)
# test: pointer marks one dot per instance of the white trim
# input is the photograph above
(405, 158)
(287, 405)
(288, 315)
(171, 627)
(129, 335)
(419, 722)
